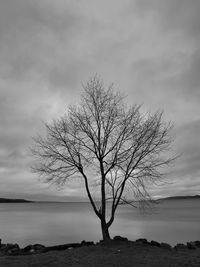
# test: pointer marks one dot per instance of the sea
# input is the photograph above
(171, 221)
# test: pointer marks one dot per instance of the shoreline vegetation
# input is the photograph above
(119, 251)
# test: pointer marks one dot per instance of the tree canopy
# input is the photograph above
(110, 145)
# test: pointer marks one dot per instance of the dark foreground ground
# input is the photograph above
(122, 254)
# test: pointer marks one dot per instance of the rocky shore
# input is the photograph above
(118, 252)
(14, 249)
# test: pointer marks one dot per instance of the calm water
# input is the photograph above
(57, 223)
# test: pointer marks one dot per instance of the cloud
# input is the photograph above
(150, 50)
(188, 81)
(188, 163)
(174, 15)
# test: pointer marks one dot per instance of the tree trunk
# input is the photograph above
(105, 232)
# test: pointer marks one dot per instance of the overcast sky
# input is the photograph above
(148, 49)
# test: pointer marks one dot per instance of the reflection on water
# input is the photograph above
(171, 221)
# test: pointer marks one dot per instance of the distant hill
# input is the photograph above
(13, 200)
(181, 197)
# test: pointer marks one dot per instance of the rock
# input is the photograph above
(14, 251)
(191, 245)
(197, 243)
(87, 243)
(166, 246)
(3, 246)
(120, 238)
(38, 247)
(83, 242)
(180, 246)
(155, 243)
(10, 246)
(28, 248)
(141, 241)
(10, 249)
(62, 247)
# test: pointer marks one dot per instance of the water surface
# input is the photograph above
(171, 221)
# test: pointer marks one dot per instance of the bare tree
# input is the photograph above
(114, 147)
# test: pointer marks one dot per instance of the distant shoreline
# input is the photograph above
(21, 200)
(180, 197)
(15, 200)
